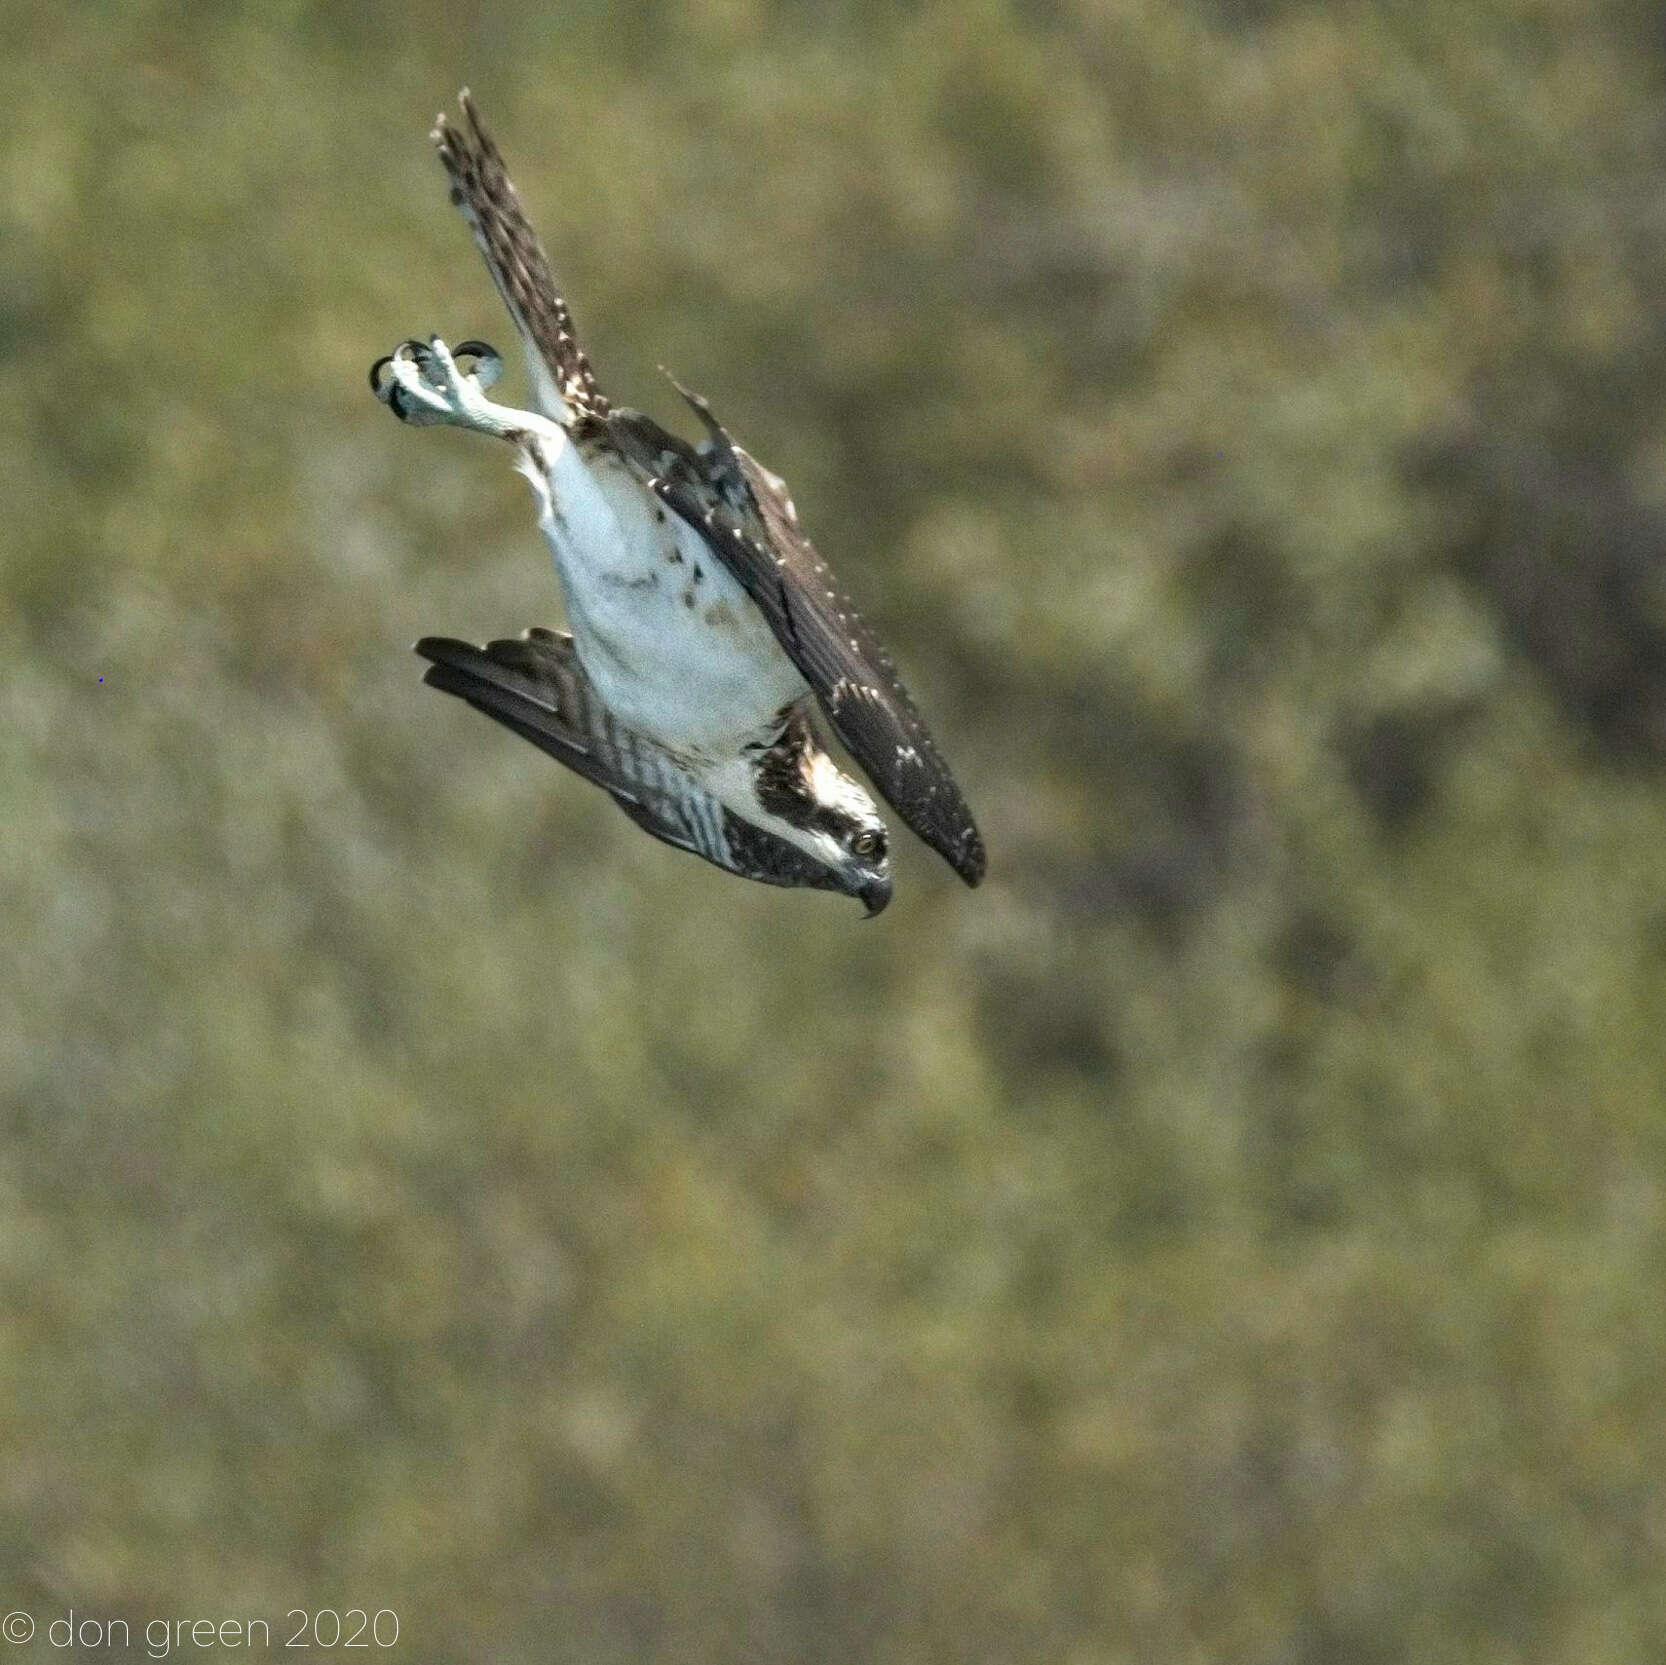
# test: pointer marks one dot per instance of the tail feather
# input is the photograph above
(521, 270)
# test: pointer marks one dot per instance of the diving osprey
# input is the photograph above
(702, 620)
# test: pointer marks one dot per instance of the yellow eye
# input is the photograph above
(866, 843)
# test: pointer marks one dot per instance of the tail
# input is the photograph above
(519, 267)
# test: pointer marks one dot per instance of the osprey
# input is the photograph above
(703, 624)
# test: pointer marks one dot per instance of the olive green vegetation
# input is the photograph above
(1235, 1234)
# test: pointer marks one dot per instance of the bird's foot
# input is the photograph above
(425, 383)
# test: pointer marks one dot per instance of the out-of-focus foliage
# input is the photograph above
(1237, 1233)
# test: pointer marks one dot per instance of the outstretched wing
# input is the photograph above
(480, 186)
(744, 513)
(535, 686)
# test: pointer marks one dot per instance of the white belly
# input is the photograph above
(674, 645)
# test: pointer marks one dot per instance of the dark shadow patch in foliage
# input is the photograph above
(1317, 956)
(1251, 17)
(1198, 801)
(1171, 805)
(1393, 759)
(1542, 519)
(1043, 1026)
(1301, 1188)
(1161, 862)
(1086, 304)
(1565, 555)
(1240, 578)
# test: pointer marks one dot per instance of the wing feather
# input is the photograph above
(745, 515)
(535, 686)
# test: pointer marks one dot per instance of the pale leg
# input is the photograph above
(421, 383)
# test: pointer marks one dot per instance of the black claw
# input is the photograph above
(487, 361)
(387, 388)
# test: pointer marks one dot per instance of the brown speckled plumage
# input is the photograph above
(480, 187)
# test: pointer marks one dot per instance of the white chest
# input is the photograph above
(672, 642)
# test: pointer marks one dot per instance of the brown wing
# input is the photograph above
(519, 267)
(746, 516)
(535, 686)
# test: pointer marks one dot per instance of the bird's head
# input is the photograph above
(813, 803)
(864, 845)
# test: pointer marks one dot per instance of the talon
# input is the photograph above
(422, 383)
(488, 365)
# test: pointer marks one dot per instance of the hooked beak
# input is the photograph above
(875, 893)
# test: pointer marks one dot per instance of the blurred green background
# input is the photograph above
(1235, 1234)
